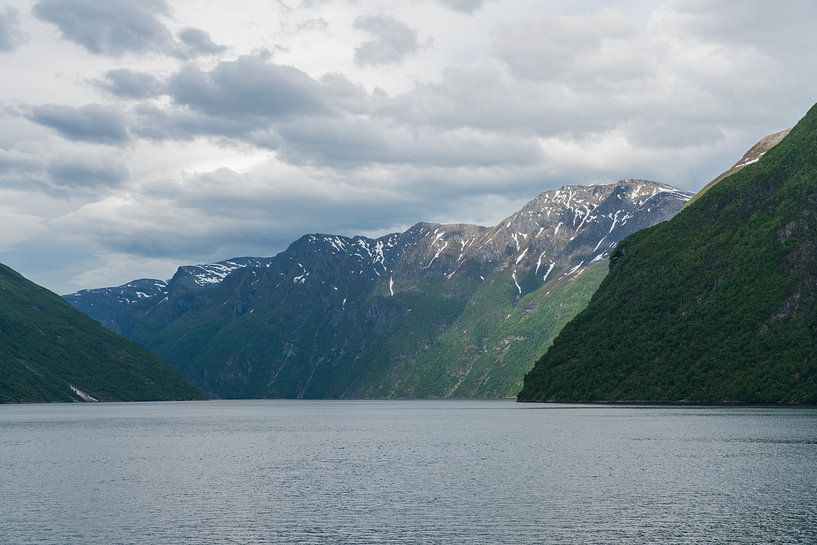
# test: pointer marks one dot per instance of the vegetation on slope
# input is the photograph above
(46, 347)
(750, 157)
(716, 305)
(496, 339)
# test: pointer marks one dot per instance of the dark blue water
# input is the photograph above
(249, 472)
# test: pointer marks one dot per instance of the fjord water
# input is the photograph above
(348, 472)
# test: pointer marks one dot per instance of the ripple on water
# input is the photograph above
(270, 472)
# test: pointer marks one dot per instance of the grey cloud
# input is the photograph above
(198, 42)
(246, 99)
(16, 162)
(350, 141)
(68, 171)
(116, 27)
(132, 84)
(345, 94)
(248, 86)
(466, 6)
(331, 121)
(89, 123)
(222, 213)
(462, 121)
(10, 34)
(485, 99)
(671, 132)
(88, 172)
(111, 27)
(392, 41)
(787, 26)
(158, 124)
(21, 171)
(567, 49)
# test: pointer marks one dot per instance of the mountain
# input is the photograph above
(435, 311)
(749, 158)
(51, 352)
(718, 304)
(121, 308)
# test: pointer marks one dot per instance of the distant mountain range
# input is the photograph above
(717, 305)
(436, 311)
(51, 352)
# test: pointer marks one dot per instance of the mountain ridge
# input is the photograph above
(336, 316)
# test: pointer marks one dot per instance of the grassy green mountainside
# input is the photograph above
(51, 352)
(495, 340)
(718, 304)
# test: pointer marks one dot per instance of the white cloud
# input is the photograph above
(391, 41)
(10, 34)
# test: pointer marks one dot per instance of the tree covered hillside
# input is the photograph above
(718, 304)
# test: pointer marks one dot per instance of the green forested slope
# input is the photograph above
(46, 347)
(716, 305)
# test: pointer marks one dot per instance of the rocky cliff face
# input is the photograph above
(404, 315)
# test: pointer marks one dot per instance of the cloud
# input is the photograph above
(316, 24)
(183, 124)
(130, 84)
(64, 173)
(10, 34)
(392, 41)
(330, 121)
(143, 226)
(112, 27)
(198, 42)
(248, 86)
(353, 142)
(25, 227)
(17, 162)
(488, 99)
(756, 24)
(223, 213)
(465, 6)
(90, 123)
(117, 27)
(573, 50)
(87, 171)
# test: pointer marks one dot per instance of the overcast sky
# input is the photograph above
(138, 136)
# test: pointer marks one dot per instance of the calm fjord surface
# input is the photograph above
(405, 472)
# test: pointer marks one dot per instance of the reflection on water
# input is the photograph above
(405, 472)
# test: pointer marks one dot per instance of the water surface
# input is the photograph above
(256, 472)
